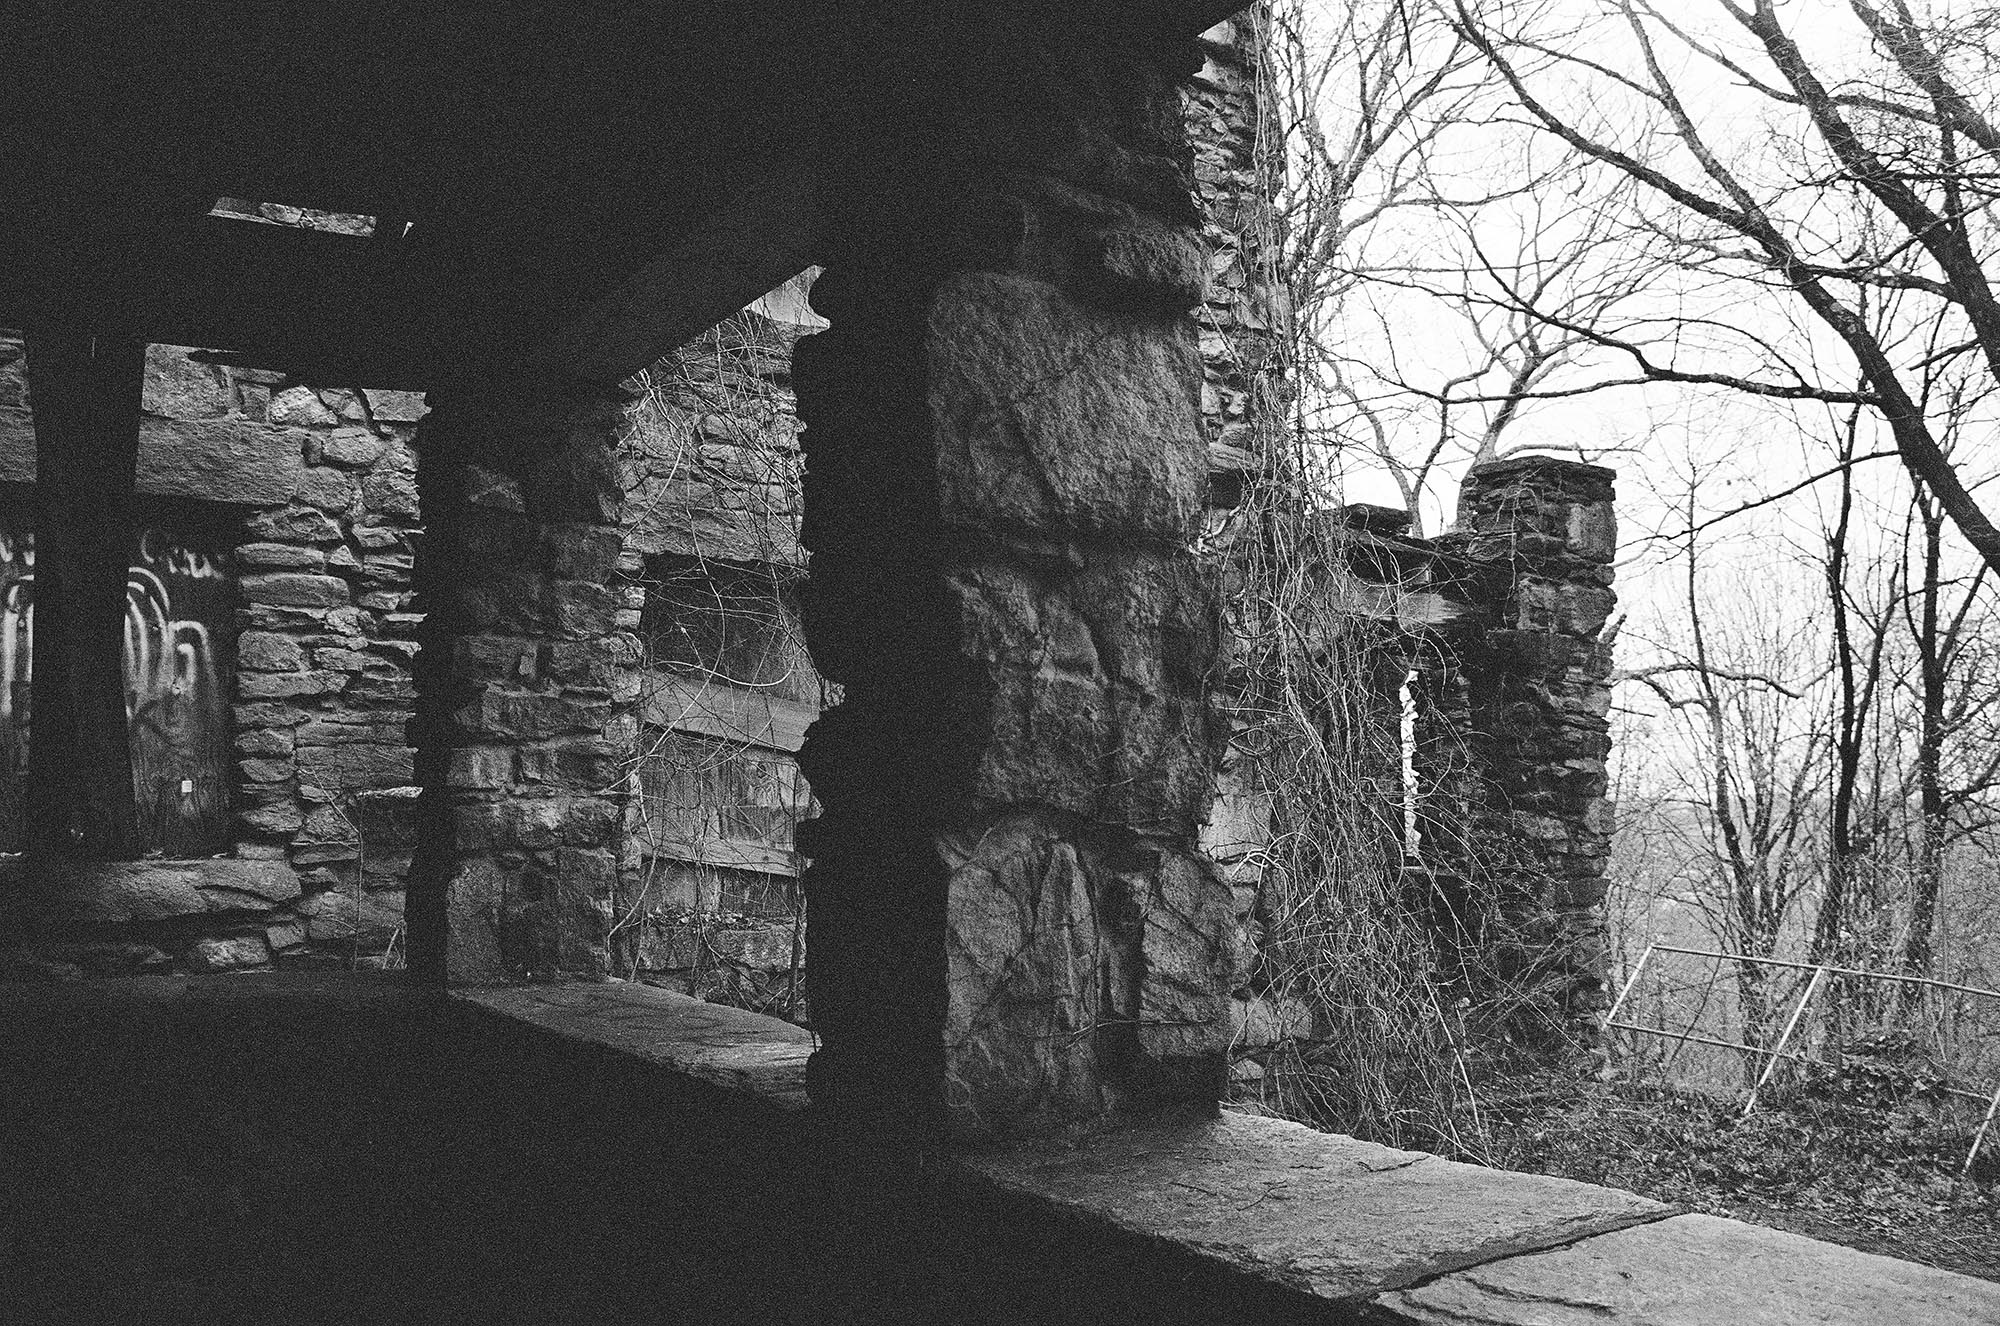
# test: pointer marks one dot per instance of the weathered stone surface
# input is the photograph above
(296, 589)
(398, 407)
(338, 914)
(295, 524)
(118, 892)
(1154, 264)
(760, 1057)
(288, 685)
(1191, 956)
(1696, 1270)
(1093, 696)
(142, 892)
(332, 491)
(279, 556)
(219, 460)
(271, 880)
(279, 817)
(301, 406)
(176, 387)
(1024, 953)
(391, 493)
(353, 767)
(1061, 417)
(228, 953)
(351, 448)
(1328, 1216)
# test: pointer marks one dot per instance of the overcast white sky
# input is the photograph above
(1658, 437)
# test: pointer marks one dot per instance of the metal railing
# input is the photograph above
(1775, 1053)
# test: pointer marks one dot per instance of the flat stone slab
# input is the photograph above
(238, 461)
(1697, 1270)
(758, 1056)
(1319, 1214)
(121, 892)
(1347, 1230)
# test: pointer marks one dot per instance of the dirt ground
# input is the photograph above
(1844, 1164)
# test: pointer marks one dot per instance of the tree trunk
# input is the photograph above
(1930, 759)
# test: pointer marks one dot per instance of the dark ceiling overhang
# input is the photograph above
(585, 184)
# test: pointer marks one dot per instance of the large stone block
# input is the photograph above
(354, 766)
(1024, 956)
(1052, 415)
(294, 524)
(344, 914)
(142, 892)
(1694, 1270)
(1192, 955)
(534, 716)
(230, 460)
(287, 685)
(228, 953)
(295, 589)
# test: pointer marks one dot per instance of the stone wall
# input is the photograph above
(712, 468)
(1496, 629)
(1244, 316)
(1516, 704)
(314, 487)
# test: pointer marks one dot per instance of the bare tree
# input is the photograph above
(1421, 232)
(1873, 181)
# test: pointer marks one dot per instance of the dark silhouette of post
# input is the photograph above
(86, 391)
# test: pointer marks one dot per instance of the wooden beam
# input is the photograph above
(711, 708)
(761, 234)
(86, 396)
(294, 297)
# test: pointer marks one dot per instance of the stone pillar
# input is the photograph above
(1011, 923)
(1520, 807)
(526, 682)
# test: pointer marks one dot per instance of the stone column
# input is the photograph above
(1011, 923)
(526, 681)
(1521, 804)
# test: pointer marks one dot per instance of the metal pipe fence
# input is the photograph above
(1814, 1029)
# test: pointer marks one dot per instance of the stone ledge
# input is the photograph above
(1321, 1214)
(762, 1058)
(122, 892)
(1345, 1230)
(1697, 1270)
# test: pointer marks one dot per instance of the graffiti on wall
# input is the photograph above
(180, 601)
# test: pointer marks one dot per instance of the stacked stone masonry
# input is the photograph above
(1524, 687)
(1005, 458)
(1499, 629)
(712, 470)
(314, 492)
(527, 680)
(1015, 587)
